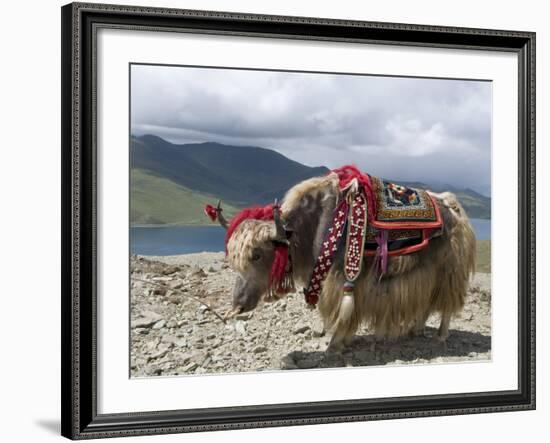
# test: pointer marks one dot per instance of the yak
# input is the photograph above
(398, 302)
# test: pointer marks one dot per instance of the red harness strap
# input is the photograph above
(326, 254)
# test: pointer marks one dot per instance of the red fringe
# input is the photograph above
(278, 268)
(255, 213)
(347, 173)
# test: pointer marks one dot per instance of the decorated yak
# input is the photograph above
(363, 249)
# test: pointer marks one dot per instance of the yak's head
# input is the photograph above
(257, 250)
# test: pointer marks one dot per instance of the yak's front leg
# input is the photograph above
(342, 336)
(336, 343)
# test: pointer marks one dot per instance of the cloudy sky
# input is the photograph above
(430, 130)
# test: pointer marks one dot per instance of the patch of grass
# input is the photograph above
(483, 257)
(158, 200)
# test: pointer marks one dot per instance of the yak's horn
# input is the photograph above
(281, 231)
(221, 218)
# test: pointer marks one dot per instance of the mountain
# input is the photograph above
(241, 175)
(193, 174)
(475, 204)
(171, 183)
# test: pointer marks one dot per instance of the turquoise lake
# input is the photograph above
(175, 240)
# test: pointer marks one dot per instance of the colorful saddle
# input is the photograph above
(409, 216)
(376, 218)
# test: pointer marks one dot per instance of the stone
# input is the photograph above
(160, 353)
(301, 329)
(159, 291)
(245, 316)
(197, 272)
(160, 324)
(169, 339)
(175, 284)
(181, 343)
(162, 279)
(240, 327)
(206, 362)
(148, 319)
(190, 367)
(170, 270)
(259, 349)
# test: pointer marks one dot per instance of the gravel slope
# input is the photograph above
(173, 334)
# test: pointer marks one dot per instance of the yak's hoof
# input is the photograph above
(335, 346)
(440, 339)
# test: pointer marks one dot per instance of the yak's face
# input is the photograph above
(250, 255)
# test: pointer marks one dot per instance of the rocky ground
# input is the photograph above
(174, 332)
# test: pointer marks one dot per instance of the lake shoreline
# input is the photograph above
(173, 225)
(206, 224)
(184, 239)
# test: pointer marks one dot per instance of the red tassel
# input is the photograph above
(211, 212)
(279, 280)
(278, 267)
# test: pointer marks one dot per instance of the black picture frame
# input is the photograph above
(79, 175)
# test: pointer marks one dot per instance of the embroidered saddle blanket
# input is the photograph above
(399, 207)
(376, 218)
(410, 216)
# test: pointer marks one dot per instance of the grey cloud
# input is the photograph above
(403, 128)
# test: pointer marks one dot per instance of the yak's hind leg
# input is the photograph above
(443, 332)
(449, 300)
(457, 265)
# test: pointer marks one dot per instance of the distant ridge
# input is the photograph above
(171, 183)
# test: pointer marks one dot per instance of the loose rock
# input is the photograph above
(301, 329)
(173, 334)
(160, 324)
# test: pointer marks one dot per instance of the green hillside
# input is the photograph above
(240, 175)
(475, 205)
(157, 200)
(171, 183)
